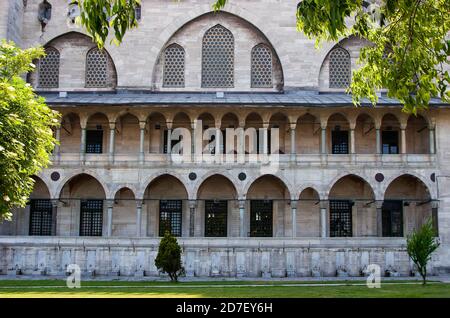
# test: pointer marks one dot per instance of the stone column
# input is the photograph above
(293, 144)
(112, 131)
(138, 217)
(192, 206)
(352, 141)
(241, 150)
(193, 139)
(142, 125)
(379, 207)
(57, 150)
(169, 141)
(83, 145)
(378, 141)
(294, 217)
(323, 219)
(242, 218)
(323, 146)
(54, 217)
(432, 141)
(109, 216)
(403, 139)
(218, 142)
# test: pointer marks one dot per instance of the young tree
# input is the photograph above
(26, 136)
(420, 245)
(168, 259)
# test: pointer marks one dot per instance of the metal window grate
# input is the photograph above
(261, 66)
(261, 218)
(173, 66)
(392, 218)
(340, 68)
(339, 141)
(340, 218)
(96, 68)
(41, 217)
(94, 141)
(216, 218)
(170, 212)
(218, 58)
(91, 219)
(49, 69)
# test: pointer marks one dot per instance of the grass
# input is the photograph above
(221, 289)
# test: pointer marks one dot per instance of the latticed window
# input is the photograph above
(91, 221)
(392, 218)
(215, 218)
(339, 142)
(173, 66)
(96, 68)
(261, 66)
(261, 218)
(41, 217)
(340, 68)
(94, 141)
(340, 218)
(170, 212)
(49, 69)
(218, 58)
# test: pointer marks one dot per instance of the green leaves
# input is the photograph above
(26, 137)
(420, 245)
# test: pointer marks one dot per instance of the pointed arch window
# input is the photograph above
(218, 58)
(49, 69)
(340, 68)
(96, 68)
(174, 61)
(261, 66)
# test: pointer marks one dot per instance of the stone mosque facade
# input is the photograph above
(347, 186)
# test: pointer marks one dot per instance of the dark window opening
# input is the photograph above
(91, 222)
(216, 218)
(94, 141)
(173, 143)
(261, 218)
(339, 142)
(170, 212)
(389, 142)
(41, 217)
(392, 218)
(340, 218)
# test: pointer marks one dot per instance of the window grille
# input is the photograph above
(216, 218)
(340, 68)
(392, 218)
(174, 59)
(218, 58)
(91, 222)
(261, 66)
(49, 69)
(96, 68)
(339, 141)
(389, 140)
(41, 217)
(94, 141)
(170, 212)
(340, 218)
(261, 218)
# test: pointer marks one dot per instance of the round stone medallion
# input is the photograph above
(242, 176)
(55, 176)
(379, 177)
(192, 176)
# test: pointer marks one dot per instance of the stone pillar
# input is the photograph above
(109, 217)
(403, 139)
(169, 141)
(265, 138)
(83, 145)
(57, 150)
(432, 141)
(192, 206)
(241, 150)
(294, 217)
(379, 207)
(323, 219)
(218, 142)
(293, 144)
(112, 132)
(138, 217)
(352, 141)
(54, 217)
(193, 139)
(142, 125)
(378, 141)
(242, 218)
(323, 145)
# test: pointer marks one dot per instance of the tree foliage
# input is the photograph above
(168, 259)
(26, 137)
(420, 245)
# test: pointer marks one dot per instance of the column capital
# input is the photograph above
(292, 126)
(241, 203)
(434, 204)
(323, 204)
(293, 203)
(55, 203)
(192, 204)
(142, 124)
(169, 124)
(379, 204)
(265, 125)
(139, 203)
(112, 125)
(109, 203)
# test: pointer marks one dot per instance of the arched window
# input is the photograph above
(340, 68)
(261, 66)
(218, 58)
(96, 68)
(173, 66)
(49, 69)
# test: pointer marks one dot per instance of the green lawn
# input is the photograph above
(267, 289)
